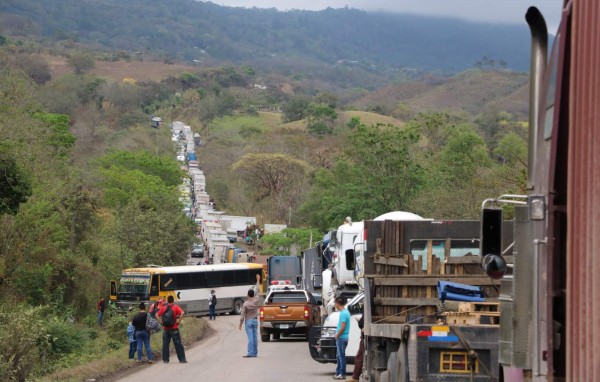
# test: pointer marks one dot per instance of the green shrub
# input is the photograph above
(64, 338)
(116, 326)
(24, 341)
(113, 344)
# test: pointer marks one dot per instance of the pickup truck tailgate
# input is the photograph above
(284, 312)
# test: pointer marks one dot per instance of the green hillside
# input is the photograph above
(352, 40)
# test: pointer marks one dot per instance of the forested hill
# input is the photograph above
(203, 31)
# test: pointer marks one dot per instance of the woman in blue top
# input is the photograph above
(341, 338)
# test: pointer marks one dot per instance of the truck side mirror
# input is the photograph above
(492, 262)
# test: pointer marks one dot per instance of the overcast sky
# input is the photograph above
(504, 11)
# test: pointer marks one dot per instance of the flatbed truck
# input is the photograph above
(410, 334)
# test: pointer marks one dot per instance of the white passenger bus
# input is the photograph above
(190, 285)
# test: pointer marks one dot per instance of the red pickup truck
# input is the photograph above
(286, 312)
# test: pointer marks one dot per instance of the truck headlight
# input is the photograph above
(328, 332)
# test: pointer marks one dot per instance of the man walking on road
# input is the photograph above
(249, 315)
(341, 338)
(170, 316)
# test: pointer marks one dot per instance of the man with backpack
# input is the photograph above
(170, 316)
(212, 303)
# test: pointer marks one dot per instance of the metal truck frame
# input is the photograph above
(408, 337)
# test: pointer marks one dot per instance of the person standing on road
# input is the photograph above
(132, 340)
(100, 306)
(171, 330)
(341, 338)
(212, 303)
(249, 315)
(359, 359)
(142, 335)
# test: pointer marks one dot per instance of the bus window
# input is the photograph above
(198, 280)
(154, 286)
(228, 279)
(213, 279)
(168, 282)
(183, 281)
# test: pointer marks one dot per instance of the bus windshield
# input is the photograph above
(134, 284)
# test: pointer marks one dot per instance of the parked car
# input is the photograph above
(232, 236)
(197, 251)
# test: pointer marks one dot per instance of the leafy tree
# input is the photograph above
(272, 175)
(35, 67)
(462, 155)
(282, 243)
(26, 343)
(295, 109)
(456, 162)
(320, 118)
(123, 186)
(164, 167)
(61, 138)
(14, 186)
(81, 62)
(151, 236)
(328, 99)
(377, 174)
(512, 151)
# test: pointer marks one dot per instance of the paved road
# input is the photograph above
(219, 358)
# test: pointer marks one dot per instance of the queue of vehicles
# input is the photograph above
(524, 309)
(527, 311)
(217, 231)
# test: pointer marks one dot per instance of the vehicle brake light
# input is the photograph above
(262, 313)
(306, 312)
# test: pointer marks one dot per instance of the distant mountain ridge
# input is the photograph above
(191, 30)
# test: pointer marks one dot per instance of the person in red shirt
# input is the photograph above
(154, 308)
(100, 307)
(172, 332)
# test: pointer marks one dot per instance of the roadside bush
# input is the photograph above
(64, 338)
(24, 342)
(116, 325)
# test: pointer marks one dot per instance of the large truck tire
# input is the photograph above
(265, 337)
